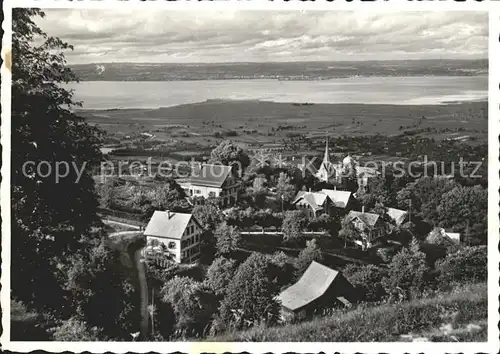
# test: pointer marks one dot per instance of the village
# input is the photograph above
(233, 208)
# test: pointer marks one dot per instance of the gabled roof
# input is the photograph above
(168, 224)
(366, 171)
(314, 283)
(368, 219)
(397, 215)
(314, 199)
(338, 198)
(210, 175)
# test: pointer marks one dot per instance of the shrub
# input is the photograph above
(311, 253)
(408, 273)
(466, 265)
(74, 330)
(367, 279)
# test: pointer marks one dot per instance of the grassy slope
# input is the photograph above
(460, 315)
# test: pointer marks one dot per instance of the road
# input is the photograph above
(107, 221)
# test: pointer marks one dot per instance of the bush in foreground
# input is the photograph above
(469, 264)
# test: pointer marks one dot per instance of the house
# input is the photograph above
(441, 236)
(313, 203)
(397, 215)
(179, 232)
(369, 225)
(213, 181)
(339, 199)
(319, 288)
(322, 202)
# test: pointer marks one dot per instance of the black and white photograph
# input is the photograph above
(240, 175)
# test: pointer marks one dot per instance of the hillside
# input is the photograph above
(460, 315)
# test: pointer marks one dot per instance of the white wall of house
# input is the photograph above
(228, 195)
(187, 249)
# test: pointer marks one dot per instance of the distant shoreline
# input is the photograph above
(230, 101)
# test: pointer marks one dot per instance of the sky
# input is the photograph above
(160, 36)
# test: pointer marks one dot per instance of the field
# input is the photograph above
(457, 316)
(189, 129)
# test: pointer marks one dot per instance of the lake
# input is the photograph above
(411, 90)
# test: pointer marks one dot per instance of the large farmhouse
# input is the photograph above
(213, 181)
(319, 288)
(179, 232)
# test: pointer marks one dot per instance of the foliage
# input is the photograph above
(193, 305)
(367, 279)
(45, 229)
(228, 153)
(408, 273)
(293, 223)
(385, 323)
(96, 278)
(311, 253)
(463, 210)
(425, 195)
(285, 191)
(74, 330)
(469, 264)
(208, 214)
(348, 231)
(219, 275)
(250, 296)
(228, 239)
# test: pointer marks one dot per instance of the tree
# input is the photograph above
(169, 196)
(228, 239)
(367, 279)
(220, 274)
(257, 192)
(425, 195)
(292, 226)
(285, 191)
(228, 153)
(46, 229)
(251, 295)
(348, 232)
(193, 305)
(463, 210)
(209, 214)
(311, 253)
(408, 273)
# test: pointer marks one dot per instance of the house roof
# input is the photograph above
(168, 224)
(397, 215)
(314, 283)
(366, 171)
(210, 175)
(368, 219)
(314, 199)
(339, 198)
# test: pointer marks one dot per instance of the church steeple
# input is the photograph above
(326, 158)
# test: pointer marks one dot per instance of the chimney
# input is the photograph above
(363, 209)
(335, 188)
(309, 190)
(169, 214)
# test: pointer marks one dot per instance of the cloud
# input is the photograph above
(101, 35)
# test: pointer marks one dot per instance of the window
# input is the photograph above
(171, 245)
(197, 191)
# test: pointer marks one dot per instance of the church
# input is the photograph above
(333, 172)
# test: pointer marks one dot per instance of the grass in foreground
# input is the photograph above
(460, 315)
